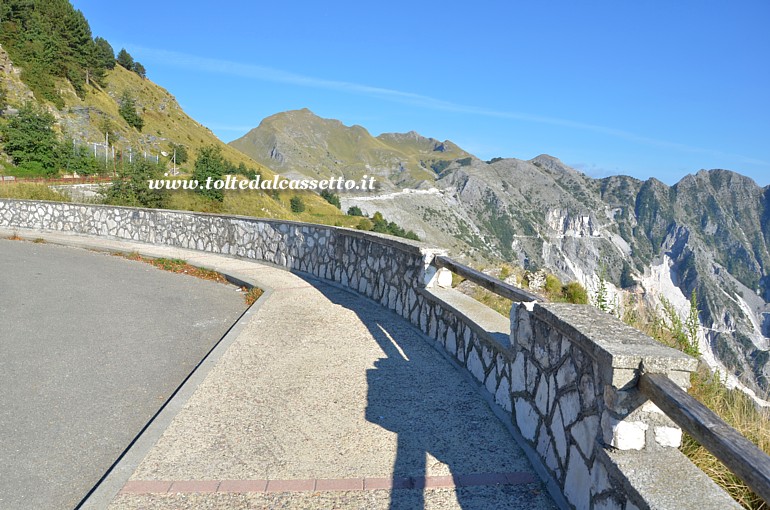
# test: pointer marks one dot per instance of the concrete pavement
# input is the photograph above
(321, 399)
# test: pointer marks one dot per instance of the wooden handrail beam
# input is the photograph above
(488, 282)
(740, 455)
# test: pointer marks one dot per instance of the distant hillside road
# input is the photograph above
(91, 345)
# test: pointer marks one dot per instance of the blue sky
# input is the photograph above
(646, 88)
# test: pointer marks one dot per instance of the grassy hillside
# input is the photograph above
(85, 120)
(301, 143)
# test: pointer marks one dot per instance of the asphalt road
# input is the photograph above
(91, 345)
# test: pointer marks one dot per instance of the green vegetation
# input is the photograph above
(383, 226)
(464, 161)
(208, 167)
(573, 292)
(297, 204)
(440, 165)
(128, 111)
(29, 191)
(50, 40)
(733, 406)
(127, 62)
(355, 211)
(31, 142)
(601, 299)
(131, 187)
(178, 152)
(332, 198)
(125, 59)
(684, 333)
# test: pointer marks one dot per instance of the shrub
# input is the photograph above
(332, 198)
(553, 285)
(575, 293)
(297, 204)
(365, 224)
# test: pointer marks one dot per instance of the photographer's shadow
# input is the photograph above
(419, 396)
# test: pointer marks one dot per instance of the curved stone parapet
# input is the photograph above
(563, 378)
(382, 268)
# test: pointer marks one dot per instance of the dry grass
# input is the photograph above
(740, 411)
(177, 266)
(733, 406)
(251, 295)
(182, 267)
(30, 191)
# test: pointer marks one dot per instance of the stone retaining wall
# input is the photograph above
(564, 375)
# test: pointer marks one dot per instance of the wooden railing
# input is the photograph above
(483, 280)
(740, 455)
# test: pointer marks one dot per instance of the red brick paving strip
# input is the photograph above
(349, 484)
(242, 486)
(194, 486)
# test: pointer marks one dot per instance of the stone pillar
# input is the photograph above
(574, 392)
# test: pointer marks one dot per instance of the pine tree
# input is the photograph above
(140, 70)
(209, 167)
(105, 55)
(128, 111)
(125, 59)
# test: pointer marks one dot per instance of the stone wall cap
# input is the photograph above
(665, 478)
(611, 342)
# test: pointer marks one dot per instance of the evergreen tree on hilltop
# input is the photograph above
(125, 59)
(50, 39)
(140, 70)
(105, 55)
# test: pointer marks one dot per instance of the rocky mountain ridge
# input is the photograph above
(708, 233)
(299, 143)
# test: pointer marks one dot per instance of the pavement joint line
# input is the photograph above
(145, 487)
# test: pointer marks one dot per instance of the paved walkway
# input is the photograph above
(319, 399)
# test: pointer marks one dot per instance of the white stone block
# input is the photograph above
(526, 418)
(570, 407)
(444, 278)
(668, 436)
(474, 366)
(517, 373)
(503, 394)
(625, 435)
(584, 433)
(577, 483)
(650, 407)
(541, 397)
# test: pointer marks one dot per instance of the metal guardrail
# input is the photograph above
(740, 455)
(488, 282)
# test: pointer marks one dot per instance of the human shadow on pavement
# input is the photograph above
(417, 394)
